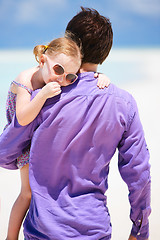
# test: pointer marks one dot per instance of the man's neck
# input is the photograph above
(88, 67)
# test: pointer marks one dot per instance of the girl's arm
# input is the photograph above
(27, 110)
(103, 80)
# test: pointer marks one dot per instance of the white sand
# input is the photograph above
(147, 95)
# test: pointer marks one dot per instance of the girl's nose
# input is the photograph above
(60, 78)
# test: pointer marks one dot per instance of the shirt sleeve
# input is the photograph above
(134, 168)
(13, 141)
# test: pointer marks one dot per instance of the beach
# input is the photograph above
(137, 71)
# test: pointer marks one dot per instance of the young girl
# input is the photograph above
(59, 62)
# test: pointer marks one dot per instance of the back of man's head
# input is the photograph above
(95, 33)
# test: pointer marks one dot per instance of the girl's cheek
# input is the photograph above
(48, 75)
(45, 76)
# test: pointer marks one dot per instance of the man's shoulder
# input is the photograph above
(87, 85)
(120, 93)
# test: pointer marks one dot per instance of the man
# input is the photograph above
(73, 140)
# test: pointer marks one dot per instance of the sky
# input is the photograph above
(26, 23)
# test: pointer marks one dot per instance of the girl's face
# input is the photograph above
(59, 68)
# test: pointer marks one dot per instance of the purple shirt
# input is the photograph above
(73, 141)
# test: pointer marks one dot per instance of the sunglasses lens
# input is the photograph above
(58, 69)
(71, 77)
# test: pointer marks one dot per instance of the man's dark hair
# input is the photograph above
(95, 34)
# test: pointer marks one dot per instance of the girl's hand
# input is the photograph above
(103, 80)
(51, 89)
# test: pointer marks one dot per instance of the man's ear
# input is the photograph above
(43, 59)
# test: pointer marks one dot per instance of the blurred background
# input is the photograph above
(133, 64)
(26, 23)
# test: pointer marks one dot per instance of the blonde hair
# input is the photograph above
(63, 45)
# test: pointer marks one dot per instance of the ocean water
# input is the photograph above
(123, 66)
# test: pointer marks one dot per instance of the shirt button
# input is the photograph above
(139, 221)
(138, 233)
